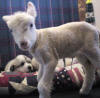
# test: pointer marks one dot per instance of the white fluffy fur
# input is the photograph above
(20, 22)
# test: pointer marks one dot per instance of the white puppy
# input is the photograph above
(76, 39)
(21, 63)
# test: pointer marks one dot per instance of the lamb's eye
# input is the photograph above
(22, 63)
(31, 25)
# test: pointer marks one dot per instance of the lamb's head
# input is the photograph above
(22, 25)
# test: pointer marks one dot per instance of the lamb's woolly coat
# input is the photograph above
(67, 40)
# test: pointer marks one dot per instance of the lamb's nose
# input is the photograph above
(23, 44)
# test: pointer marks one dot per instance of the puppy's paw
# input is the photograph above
(84, 92)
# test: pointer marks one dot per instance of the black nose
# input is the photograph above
(23, 44)
(29, 68)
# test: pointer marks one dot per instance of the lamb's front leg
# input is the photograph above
(45, 83)
(40, 72)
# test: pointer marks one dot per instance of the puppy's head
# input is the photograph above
(20, 64)
(22, 25)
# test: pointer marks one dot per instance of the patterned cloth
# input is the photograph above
(64, 79)
(50, 13)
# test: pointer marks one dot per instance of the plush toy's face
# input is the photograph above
(20, 64)
(22, 25)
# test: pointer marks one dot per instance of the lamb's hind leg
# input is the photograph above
(89, 74)
(94, 57)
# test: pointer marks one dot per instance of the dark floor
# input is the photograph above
(95, 93)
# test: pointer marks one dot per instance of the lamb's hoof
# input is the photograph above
(84, 92)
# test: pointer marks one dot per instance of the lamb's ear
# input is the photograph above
(31, 9)
(6, 18)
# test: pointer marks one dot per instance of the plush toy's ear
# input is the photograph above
(31, 9)
(12, 68)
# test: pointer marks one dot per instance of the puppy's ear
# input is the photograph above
(31, 9)
(12, 68)
(27, 59)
